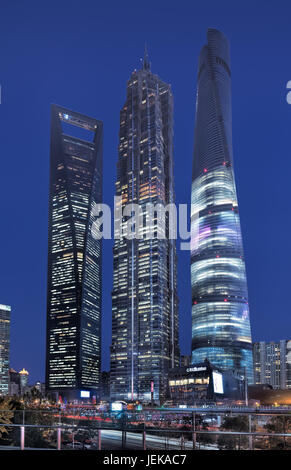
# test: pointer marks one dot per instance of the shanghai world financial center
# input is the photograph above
(74, 261)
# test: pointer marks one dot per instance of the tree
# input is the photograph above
(278, 425)
(205, 438)
(5, 416)
(38, 437)
(233, 423)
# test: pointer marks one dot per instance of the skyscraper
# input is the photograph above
(144, 297)
(23, 379)
(5, 312)
(272, 363)
(74, 256)
(220, 312)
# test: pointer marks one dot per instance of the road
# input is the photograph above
(112, 440)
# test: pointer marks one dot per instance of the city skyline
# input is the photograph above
(175, 61)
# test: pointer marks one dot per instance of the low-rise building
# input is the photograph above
(204, 382)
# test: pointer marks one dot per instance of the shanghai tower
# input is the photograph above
(220, 312)
(144, 296)
(74, 256)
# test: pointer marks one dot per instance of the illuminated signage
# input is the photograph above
(217, 382)
(116, 406)
(84, 394)
(196, 369)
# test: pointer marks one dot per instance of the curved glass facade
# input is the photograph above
(220, 313)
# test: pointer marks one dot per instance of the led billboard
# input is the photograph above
(217, 382)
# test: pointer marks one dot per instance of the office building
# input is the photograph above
(272, 363)
(220, 311)
(23, 380)
(40, 387)
(185, 361)
(5, 312)
(144, 297)
(14, 382)
(105, 386)
(74, 256)
(18, 382)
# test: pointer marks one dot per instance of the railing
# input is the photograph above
(164, 433)
(145, 429)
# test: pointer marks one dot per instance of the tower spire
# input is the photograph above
(146, 65)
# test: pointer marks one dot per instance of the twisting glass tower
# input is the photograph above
(74, 256)
(144, 297)
(220, 312)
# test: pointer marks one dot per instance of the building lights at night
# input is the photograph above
(144, 298)
(74, 256)
(220, 313)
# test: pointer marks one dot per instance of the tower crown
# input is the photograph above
(146, 65)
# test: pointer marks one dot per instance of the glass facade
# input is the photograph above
(144, 297)
(220, 312)
(5, 312)
(74, 256)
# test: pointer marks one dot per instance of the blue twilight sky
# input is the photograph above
(80, 54)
